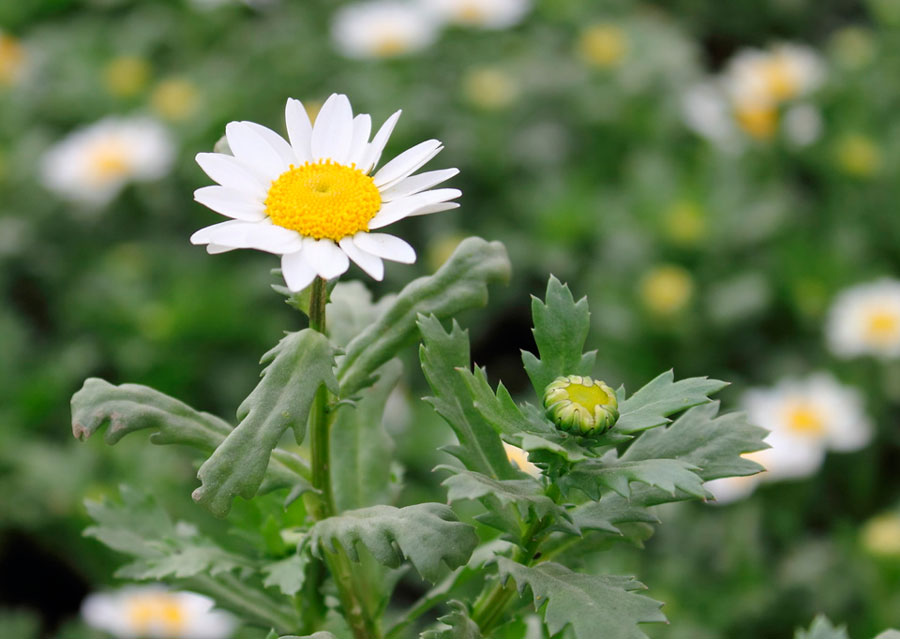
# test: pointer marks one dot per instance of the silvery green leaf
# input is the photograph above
(821, 628)
(670, 475)
(287, 574)
(428, 534)
(560, 329)
(653, 403)
(459, 284)
(455, 625)
(297, 367)
(350, 311)
(606, 514)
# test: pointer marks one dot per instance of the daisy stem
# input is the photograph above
(351, 588)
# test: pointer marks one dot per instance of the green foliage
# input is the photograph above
(592, 476)
(297, 367)
(456, 625)
(429, 535)
(16, 624)
(821, 628)
(459, 284)
(661, 397)
(595, 606)
(560, 328)
(288, 574)
(315, 635)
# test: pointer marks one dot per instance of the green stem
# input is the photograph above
(351, 588)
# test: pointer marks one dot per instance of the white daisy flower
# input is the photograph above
(865, 320)
(382, 29)
(487, 14)
(707, 112)
(783, 73)
(519, 458)
(93, 164)
(153, 612)
(312, 200)
(731, 489)
(806, 418)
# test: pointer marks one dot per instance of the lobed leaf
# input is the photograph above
(661, 397)
(297, 367)
(560, 329)
(821, 628)
(459, 284)
(604, 515)
(670, 475)
(288, 574)
(427, 534)
(457, 625)
(595, 606)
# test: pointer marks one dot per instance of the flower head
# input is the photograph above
(312, 200)
(581, 405)
(487, 14)
(93, 164)
(865, 320)
(382, 29)
(152, 612)
(806, 418)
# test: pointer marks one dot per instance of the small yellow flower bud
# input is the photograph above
(581, 405)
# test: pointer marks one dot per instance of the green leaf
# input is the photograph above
(361, 473)
(441, 353)
(595, 606)
(19, 624)
(821, 628)
(288, 574)
(667, 474)
(560, 329)
(130, 408)
(527, 495)
(427, 534)
(603, 515)
(712, 444)
(889, 634)
(297, 367)
(315, 635)
(456, 625)
(661, 397)
(459, 284)
(350, 311)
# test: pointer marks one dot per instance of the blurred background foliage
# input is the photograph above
(573, 149)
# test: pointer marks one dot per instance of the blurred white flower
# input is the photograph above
(865, 320)
(519, 459)
(806, 418)
(382, 29)
(707, 112)
(93, 164)
(312, 200)
(487, 14)
(782, 73)
(730, 489)
(153, 612)
(802, 125)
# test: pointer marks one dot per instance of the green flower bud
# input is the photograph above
(581, 405)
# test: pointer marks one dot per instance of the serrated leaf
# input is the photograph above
(297, 367)
(288, 574)
(457, 625)
(821, 628)
(661, 397)
(527, 495)
(604, 515)
(441, 353)
(713, 444)
(360, 474)
(130, 408)
(670, 475)
(428, 534)
(595, 606)
(560, 329)
(459, 284)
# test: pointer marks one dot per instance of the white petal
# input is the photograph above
(254, 235)
(435, 208)
(406, 163)
(281, 146)
(417, 183)
(404, 207)
(298, 274)
(253, 150)
(299, 129)
(386, 246)
(228, 171)
(333, 131)
(375, 149)
(325, 257)
(371, 264)
(231, 203)
(214, 249)
(362, 129)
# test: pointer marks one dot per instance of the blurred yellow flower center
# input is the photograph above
(108, 161)
(881, 535)
(667, 289)
(805, 420)
(471, 11)
(323, 200)
(175, 98)
(158, 612)
(603, 45)
(126, 76)
(882, 326)
(780, 79)
(758, 121)
(11, 58)
(390, 44)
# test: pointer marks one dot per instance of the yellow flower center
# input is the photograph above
(126, 76)
(12, 56)
(667, 289)
(159, 612)
(603, 45)
(175, 98)
(472, 12)
(804, 419)
(882, 326)
(588, 397)
(108, 161)
(780, 79)
(758, 121)
(390, 44)
(323, 200)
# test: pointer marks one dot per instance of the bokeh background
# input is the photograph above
(602, 141)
